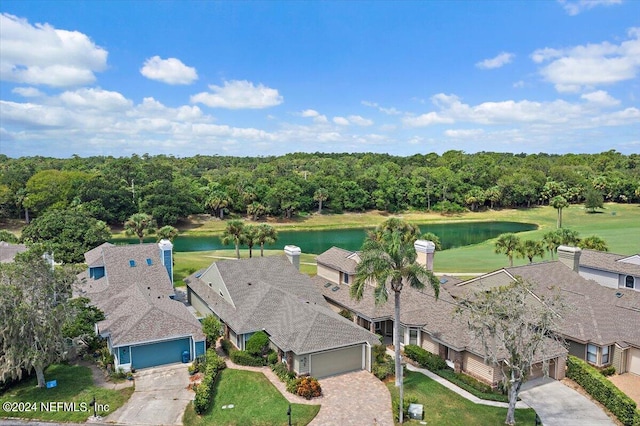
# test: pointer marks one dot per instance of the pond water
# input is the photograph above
(451, 235)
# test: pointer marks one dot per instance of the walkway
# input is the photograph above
(559, 405)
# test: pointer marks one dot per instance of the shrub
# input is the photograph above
(211, 328)
(346, 313)
(424, 358)
(292, 385)
(226, 346)
(245, 358)
(308, 387)
(280, 370)
(384, 369)
(258, 344)
(379, 353)
(599, 387)
(204, 391)
(471, 385)
(608, 371)
(272, 358)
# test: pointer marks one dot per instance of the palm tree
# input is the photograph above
(507, 244)
(567, 237)
(320, 195)
(594, 243)
(167, 232)
(388, 262)
(430, 236)
(531, 249)
(233, 232)
(551, 241)
(140, 224)
(559, 202)
(267, 234)
(249, 237)
(217, 201)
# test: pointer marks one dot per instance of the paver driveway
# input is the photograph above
(160, 398)
(559, 405)
(351, 399)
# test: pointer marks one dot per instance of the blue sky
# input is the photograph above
(268, 78)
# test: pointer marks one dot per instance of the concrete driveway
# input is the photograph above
(160, 398)
(559, 405)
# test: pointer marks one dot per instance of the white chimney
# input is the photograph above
(425, 250)
(293, 254)
(570, 256)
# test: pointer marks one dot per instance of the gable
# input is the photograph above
(634, 260)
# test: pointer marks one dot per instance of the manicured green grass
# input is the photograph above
(75, 384)
(443, 407)
(256, 402)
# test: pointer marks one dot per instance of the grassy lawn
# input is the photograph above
(443, 407)
(75, 384)
(256, 402)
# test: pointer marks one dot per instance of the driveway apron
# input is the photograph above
(559, 405)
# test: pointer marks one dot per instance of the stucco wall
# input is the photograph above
(198, 304)
(328, 273)
(606, 279)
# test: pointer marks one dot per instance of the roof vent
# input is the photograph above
(149, 262)
(327, 285)
(132, 263)
(618, 294)
(248, 283)
(443, 280)
(336, 288)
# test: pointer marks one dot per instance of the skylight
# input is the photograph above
(149, 262)
(327, 285)
(132, 263)
(336, 288)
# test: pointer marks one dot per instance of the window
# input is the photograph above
(629, 281)
(346, 278)
(592, 353)
(605, 355)
(413, 336)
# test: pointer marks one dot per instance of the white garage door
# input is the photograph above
(634, 361)
(337, 361)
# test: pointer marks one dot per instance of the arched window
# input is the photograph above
(629, 281)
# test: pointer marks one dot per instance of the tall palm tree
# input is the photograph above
(559, 202)
(568, 237)
(267, 234)
(594, 243)
(430, 236)
(388, 262)
(249, 237)
(507, 244)
(233, 232)
(320, 196)
(140, 224)
(530, 249)
(551, 241)
(167, 232)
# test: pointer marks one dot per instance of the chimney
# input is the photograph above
(425, 250)
(293, 254)
(570, 256)
(166, 256)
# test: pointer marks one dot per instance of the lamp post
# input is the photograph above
(289, 414)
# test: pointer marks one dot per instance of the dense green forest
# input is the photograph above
(170, 188)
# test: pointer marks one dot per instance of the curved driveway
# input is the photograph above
(559, 405)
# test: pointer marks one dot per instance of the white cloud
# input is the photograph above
(498, 61)
(239, 94)
(600, 97)
(40, 54)
(96, 99)
(27, 92)
(426, 120)
(312, 113)
(574, 7)
(170, 71)
(586, 66)
(341, 121)
(388, 111)
(518, 84)
(360, 121)
(463, 133)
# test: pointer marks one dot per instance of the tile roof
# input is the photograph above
(269, 293)
(8, 251)
(339, 259)
(135, 299)
(610, 262)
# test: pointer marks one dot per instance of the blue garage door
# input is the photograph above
(161, 353)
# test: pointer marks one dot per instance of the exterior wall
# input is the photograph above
(233, 337)
(619, 359)
(606, 279)
(429, 344)
(301, 364)
(622, 282)
(200, 348)
(197, 303)
(328, 273)
(560, 368)
(474, 366)
(577, 349)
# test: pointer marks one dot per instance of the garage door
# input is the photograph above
(337, 361)
(161, 353)
(634, 361)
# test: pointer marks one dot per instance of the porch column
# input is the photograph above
(290, 360)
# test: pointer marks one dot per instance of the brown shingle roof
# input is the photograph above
(339, 259)
(610, 262)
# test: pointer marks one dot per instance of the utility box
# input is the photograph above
(416, 411)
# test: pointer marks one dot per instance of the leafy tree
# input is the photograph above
(81, 320)
(507, 244)
(233, 232)
(8, 237)
(530, 249)
(249, 237)
(53, 189)
(68, 234)
(167, 232)
(388, 260)
(559, 202)
(256, 210)
(212, 329)
(140, 225)
(593, 243)
(321, 195)
(258, 343)
(266, 234)
(514, 329)
(33, 312)
(593, 200)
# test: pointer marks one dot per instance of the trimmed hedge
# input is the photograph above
(471, 385)
(204, 391)
(226, 346)
(424, 358)
(600, 388)
(258, 344)
(245, 358)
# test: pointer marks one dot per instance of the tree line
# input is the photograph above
(170, 188)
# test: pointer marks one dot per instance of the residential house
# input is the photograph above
(610, 270)
(8, 251)
(133, 285)
(424, 320)
(270, 294)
